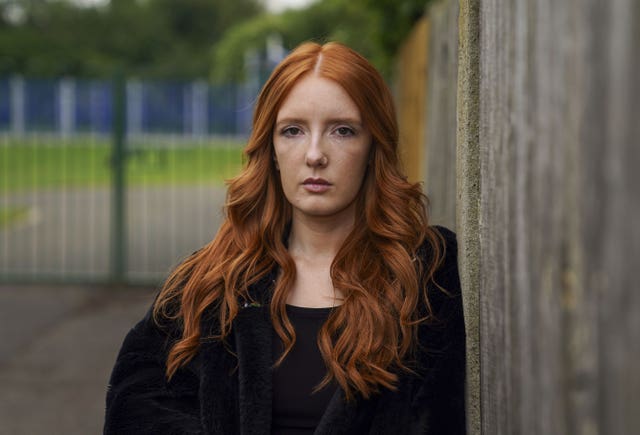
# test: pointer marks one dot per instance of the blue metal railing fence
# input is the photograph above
(84, 198)
(71, 106)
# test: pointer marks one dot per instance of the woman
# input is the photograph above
(326, 304)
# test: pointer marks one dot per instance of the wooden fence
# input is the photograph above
(547, 205)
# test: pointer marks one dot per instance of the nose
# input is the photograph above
(315, 155)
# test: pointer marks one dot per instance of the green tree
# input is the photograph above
(395, 19)
(149, 38)
(375, 28)
(186, 38)
(328, 20)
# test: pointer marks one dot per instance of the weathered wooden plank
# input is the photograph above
(547, 204)
(557, 237)
(440, 138)
(411, 89)
(615, 285)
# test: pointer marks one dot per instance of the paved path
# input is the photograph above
(57, 348)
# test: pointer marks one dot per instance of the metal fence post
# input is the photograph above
(17, 105)
(118, 166)
(66, 107)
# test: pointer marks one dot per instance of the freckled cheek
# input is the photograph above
(288, 173)
(356, 161)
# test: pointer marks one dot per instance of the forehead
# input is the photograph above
(318, 96)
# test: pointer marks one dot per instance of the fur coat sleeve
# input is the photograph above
(226, 394)
(139, 398)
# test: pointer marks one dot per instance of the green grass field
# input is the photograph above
(29, 164)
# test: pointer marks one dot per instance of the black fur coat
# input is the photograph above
(217, 393)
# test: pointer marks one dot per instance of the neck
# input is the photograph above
(318, 237)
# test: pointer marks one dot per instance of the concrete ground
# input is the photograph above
(57, 350)
(58, 343)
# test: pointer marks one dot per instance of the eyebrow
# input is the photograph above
(346, 120)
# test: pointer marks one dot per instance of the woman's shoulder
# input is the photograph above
(442, 242)
(151, 332)
(443, 332)
(444, 231)
(441, 352)
(449, 250)
(443, 285)
(157, 330)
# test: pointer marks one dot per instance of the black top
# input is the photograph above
(296, 410)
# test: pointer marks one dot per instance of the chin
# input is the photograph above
(323, 212)
(318, 212)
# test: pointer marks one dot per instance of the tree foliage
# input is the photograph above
(320, 22)
(186, 38)
(150, 38)
(375, 28)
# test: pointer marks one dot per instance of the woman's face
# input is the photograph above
(321, 149)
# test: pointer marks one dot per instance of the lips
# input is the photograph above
(316, 185)
(318, 181)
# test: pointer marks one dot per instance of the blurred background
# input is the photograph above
(121, 120)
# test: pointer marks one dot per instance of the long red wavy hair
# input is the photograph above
(367, 339)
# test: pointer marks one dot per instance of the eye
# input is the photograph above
(345, 131)
(291, 131)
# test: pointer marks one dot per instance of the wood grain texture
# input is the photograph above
(410, 92)
(547, 207)
(439, 159)
(557, 214)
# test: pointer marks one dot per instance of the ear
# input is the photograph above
(275, 161)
